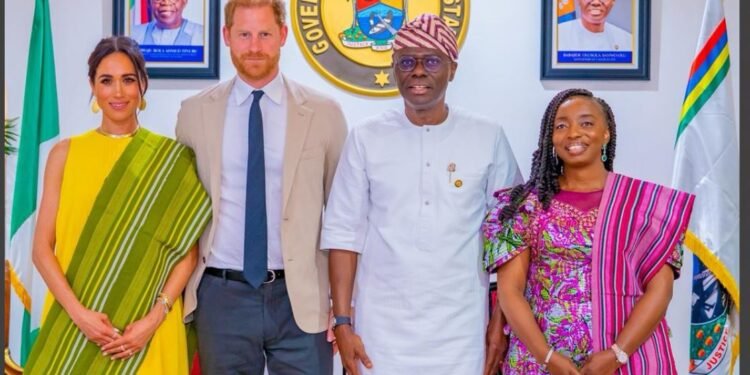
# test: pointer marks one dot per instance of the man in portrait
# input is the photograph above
(591, 31)
(168, 26)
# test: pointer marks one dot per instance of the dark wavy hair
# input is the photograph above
(546, 167)
(126, 45)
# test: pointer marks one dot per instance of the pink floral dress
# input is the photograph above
(559, 277)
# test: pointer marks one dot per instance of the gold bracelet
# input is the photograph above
(165, 300)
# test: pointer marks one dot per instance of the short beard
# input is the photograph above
(264, 71)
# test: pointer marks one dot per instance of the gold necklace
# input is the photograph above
(117, 136)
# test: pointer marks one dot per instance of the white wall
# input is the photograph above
(498, 75)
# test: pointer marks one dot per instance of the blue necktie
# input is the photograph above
(255, 264)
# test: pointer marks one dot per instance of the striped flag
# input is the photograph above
(566, 11)
(39, 131)
(140, 11)
(707, 165)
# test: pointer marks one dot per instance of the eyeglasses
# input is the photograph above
(430, 63)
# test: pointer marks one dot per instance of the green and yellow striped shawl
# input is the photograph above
(150, 211)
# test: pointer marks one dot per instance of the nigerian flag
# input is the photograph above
(39, 131)
(139, 11)
(707, 165)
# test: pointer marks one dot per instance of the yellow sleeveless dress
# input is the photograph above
(91, 157)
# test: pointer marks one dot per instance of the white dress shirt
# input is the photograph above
(421, 295)
(228, 246)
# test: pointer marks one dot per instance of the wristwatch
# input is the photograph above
(341, 319)
(622, 357)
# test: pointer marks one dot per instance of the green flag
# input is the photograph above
(39, 131)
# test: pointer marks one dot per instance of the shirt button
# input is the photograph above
(426, 203)
(427, 129)
(427, 164)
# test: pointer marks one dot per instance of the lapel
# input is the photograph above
(299, 118)
(214, 112)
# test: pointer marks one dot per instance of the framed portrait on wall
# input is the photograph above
(179, 38)
(595, 39)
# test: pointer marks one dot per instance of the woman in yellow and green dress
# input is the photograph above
(115, 242)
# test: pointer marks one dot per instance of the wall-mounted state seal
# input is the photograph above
(349, 42)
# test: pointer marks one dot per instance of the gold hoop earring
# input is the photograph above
(95, 106)
(142, 105)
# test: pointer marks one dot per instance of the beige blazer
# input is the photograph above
(316, 130)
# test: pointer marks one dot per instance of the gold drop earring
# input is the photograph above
(95, 106)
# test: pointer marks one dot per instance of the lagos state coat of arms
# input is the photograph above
(349, 42)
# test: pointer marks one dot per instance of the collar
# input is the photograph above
(181, 26)
(274, 90)
(447, 122)
(440, 131)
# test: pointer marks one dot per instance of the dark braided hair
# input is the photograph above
(546, 167)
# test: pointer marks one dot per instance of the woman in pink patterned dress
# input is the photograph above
(590, 294)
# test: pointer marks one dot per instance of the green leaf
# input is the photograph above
(11, 136)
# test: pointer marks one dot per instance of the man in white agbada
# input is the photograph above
(168, 26)
(410, 192)
(591, 31)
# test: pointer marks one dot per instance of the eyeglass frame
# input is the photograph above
(418, 61)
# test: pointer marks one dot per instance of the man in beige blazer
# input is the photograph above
(267, 206)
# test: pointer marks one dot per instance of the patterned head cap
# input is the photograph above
(427, 31)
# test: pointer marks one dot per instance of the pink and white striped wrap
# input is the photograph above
(427, 31)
